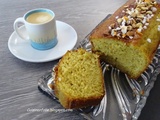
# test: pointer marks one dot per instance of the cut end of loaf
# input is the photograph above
(124, 57)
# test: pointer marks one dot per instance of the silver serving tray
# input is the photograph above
(124, 98)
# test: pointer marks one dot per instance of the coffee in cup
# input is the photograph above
(39, 18)
(41, 28)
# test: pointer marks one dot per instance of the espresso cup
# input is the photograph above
(40, 25)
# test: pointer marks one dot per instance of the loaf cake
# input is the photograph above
(129, 38)
(79, 80)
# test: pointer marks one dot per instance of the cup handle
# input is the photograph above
(16, 22)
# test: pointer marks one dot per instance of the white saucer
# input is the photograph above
(67, 38)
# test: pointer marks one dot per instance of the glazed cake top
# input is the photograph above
(129, 21)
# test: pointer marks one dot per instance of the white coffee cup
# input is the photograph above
(41, 28)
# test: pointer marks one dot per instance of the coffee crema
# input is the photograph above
(39, 17)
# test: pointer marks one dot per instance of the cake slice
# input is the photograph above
(79, 80)
(129, 39)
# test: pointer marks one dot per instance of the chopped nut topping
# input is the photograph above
(158, 19)
(145, 27)
(119, 20)
(117, 17)
(134, 20)
(153, 9)
(149, 40)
